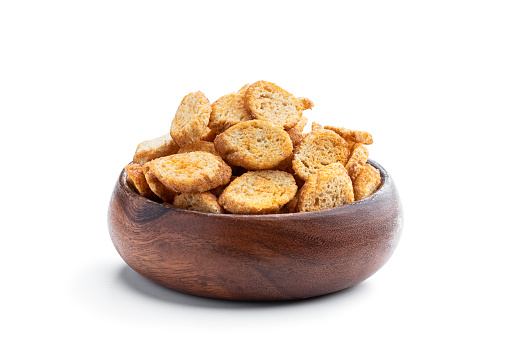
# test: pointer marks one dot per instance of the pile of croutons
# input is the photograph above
(247, 154)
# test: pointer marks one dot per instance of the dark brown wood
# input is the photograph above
(268, 257)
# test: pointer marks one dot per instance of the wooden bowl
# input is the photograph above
(260, 257)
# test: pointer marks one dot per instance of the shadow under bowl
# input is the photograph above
(256, 257)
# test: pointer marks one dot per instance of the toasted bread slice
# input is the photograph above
(191, 119)
(258, 192)
(198, 201)
(330, 187)
(199, 146)
(137, 178)
(305, 103)
(357, 160)
(352, 135)
(317, 150)
(165, 194)
(254, 145)
(267, 101)
(196, 171)
(367, 182)
(155, 148)
(229, 110)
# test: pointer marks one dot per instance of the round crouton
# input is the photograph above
(196, 171)
(267, 101)
(191, 119)
(258, 192)
(330, 187)
(229, 110)
(357, 160)
(254, 145)
(318, 149)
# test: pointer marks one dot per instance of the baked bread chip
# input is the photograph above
(191, 119)
(267, 101)
(254, 145)
(155, 148)
(317, 150)
(330, 187)
(199, 146)
(305, 103)
(367, 182)
(198, 201)
(357, 160)
(259, 192)
(196, 171)
(137, 178)
(165, 194)
(229, 110)
(352, 135)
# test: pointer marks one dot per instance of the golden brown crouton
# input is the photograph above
(330, 187)
(254, 145)
(357, 160)
(198, 201)
(353, 135)
(267, 101)
(136, 175)
(191, 119)
(367, 182)
(259, 192)
(318, 149)
(229, 110)
(196, 171)
(156, 186)
(155, 148)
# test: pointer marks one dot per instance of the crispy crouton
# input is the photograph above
(318, 149)
(267, 101)
(229, 110)
(353, 135)
(136, 175)
(198, 201)
(196, 171)
(259, 192)
(367, 182)
(155, 148)
(330, 187)
(254, 145)
(191, 119)
(156, 186)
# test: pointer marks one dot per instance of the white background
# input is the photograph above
(83, 82)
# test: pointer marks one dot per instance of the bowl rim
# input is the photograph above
(386, 182)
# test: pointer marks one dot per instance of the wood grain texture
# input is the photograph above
(263, 257)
